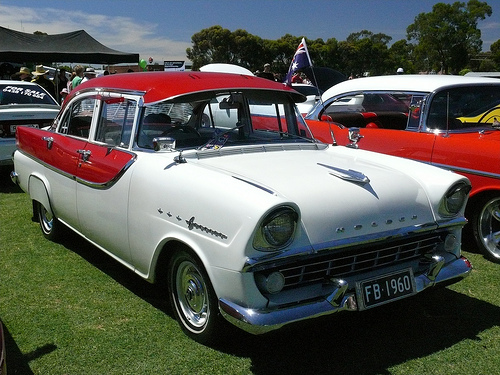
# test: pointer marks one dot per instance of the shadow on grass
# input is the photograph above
(17, 362)
(6, 184)
(368, 342)
(371, 342)
(137, 285)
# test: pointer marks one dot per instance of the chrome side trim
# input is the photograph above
(93, 185)
(110, 183)
(259, 321)
(467, 170)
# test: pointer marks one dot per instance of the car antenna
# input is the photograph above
(334, 141)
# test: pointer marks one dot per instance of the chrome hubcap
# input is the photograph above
(489, 227)
(46, 219)
(192, 295)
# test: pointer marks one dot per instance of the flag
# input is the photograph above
(301, 60)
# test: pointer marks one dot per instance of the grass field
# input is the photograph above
(69, 309)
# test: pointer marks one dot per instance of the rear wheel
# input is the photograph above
(51, 227)
(193, 298)
(486, 227)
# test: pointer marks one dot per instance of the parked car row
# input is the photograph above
(451, 122)
(212, 184)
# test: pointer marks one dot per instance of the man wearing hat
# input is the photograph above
(267, 72)
(24, 74)
(43, 81)
(89, 74)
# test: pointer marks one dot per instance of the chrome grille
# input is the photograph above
(346, 262)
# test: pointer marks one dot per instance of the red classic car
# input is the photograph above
(447, 121)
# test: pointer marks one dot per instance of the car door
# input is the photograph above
(382, 122)
(57, 156)
(408, 144)
(103, 176)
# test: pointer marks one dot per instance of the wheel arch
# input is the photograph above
(38, 191)
(167, 250)
(477, 198)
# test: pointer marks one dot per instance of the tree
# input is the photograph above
(401, 53)
(212, 45)
(495, 53)
(365, 52)
(447, 37)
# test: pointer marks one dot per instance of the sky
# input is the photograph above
(162, 29)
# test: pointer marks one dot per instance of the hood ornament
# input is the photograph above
(347, 175)
(354, 137)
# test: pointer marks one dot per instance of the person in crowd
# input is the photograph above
(41, 79)
(89, 74)
(24, 74)
(69, 84)
(63, 94)
(267, 72)
(305, 79)
(296, 78)
(61, 82)
(78, 77)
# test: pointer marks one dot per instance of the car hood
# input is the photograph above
(341, 193)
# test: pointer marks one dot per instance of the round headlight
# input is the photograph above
(276, 230)
(454, 199)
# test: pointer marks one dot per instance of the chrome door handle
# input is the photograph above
(49, 141)
(85, 154)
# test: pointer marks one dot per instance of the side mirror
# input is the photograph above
(164, 144)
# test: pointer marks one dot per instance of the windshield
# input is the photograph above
(19, 93)
(214, 120)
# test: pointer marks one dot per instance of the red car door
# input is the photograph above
(58, 156)
(103, 174)
(409, 144)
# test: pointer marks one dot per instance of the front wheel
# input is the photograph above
(49, 224)
(486, 227)
(193, 298)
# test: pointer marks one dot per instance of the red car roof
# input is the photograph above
(161, 85)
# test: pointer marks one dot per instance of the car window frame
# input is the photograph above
(409, 127)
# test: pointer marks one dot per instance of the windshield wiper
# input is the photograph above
(286, 134)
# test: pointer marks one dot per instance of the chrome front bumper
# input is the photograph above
(265, 320)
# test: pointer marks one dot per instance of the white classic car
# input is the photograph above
(240, 213)
(22, 104)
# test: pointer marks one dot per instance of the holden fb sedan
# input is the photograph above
(447, 121)
(212, 185)
(22, 104)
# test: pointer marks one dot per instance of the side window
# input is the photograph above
(78, 117)
(461, 107)
(115, 121)
(377, 110)
(415, 113)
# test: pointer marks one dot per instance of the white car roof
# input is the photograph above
(14, 82)
(405, 82)
(225, 68)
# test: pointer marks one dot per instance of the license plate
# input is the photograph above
(13, 127)
(386, 288)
